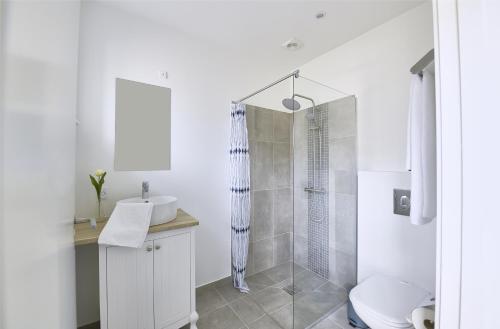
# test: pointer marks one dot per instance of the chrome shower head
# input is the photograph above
(293, 105)
(290, 104)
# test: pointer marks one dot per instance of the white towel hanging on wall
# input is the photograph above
(421, 148)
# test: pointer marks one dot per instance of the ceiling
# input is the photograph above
(259, 28)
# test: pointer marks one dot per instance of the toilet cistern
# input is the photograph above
(145, 190)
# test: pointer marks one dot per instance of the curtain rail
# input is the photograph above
(293, 74)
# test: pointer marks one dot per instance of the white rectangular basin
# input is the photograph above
(164, 207)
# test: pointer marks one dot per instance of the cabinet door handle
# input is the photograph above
(157, 247)
(149, 248)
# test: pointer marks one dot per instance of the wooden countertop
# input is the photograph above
(85, 234)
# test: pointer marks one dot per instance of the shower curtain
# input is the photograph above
(240, 195)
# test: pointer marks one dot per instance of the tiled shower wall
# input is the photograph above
(269, 134)
(342, 191)
(318, 202)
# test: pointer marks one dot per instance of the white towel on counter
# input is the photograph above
(128, 225)
(421, 149)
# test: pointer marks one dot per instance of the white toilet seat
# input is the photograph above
(383, 302)
(376, 322)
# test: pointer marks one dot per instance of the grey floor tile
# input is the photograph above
(247, 309)
(270, 299)
(307, 281)
(339, 317)
(226, 289)
(298, 268)
(259, 281)
(265, 322)
(269, 306)
(332, 288)
(312, 306)
(280, 272)
(302, 320)
(319, 302)
(208, 299)
(283, 284)
(222, 318)
(284, 316)
(326, 324)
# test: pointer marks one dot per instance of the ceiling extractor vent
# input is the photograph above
(320, 15)
(292, 44)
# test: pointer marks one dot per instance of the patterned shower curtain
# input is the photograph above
(240, 195)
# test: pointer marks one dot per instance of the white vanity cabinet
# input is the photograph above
(152, 287)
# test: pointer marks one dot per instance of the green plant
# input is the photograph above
(98, 181)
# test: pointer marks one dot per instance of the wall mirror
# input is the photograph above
(142, 126)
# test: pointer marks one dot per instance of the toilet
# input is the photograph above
(383, 302)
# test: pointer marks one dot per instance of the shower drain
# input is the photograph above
(289, 290)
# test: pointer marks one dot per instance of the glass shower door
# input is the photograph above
(302, 249)
(324, 202)
(269, 272)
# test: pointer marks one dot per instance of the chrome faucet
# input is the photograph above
(145, 190)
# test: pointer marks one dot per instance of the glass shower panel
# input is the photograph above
(324, 201)
(270, 254)
(302, 251)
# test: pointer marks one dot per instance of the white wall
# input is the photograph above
(375, 67)
(449, 165)
(203, 80)
(479, 53)
(2, 263)
(40, 43)
(389, 243)
(468, 52)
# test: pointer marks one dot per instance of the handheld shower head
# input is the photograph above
(310, 115)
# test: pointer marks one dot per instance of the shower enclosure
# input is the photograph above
(302, 251)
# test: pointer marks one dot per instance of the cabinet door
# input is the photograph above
(129, 280)
(172, 279)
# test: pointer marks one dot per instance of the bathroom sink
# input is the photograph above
(164, 207)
